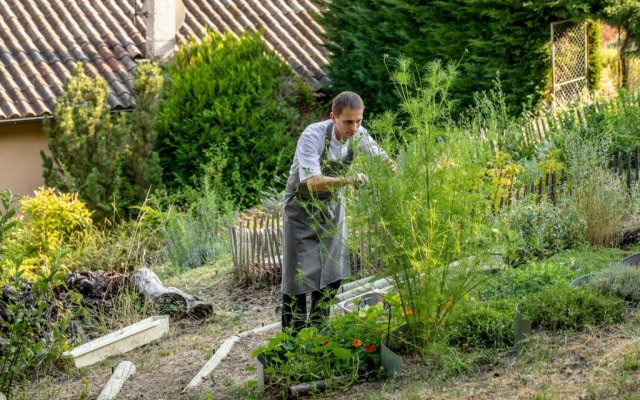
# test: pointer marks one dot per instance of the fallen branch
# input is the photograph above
(148, 284)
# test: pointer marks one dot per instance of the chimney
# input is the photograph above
(161, 28)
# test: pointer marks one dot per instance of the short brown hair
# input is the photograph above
(344, 100)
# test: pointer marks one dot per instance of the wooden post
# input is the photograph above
(636, 164)
(553, 188)
(629, 169)
(540, 189)
(234, 245)
(124, 370)
(533, 187)
(620, 164)
(540, 135)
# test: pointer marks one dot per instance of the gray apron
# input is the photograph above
(315, 230)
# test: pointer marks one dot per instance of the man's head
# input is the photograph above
(347, 110)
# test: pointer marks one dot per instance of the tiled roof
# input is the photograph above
(41, 40)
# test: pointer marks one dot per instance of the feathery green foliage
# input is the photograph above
(430, 217)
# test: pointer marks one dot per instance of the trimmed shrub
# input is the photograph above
(230, 112)
(559, 307)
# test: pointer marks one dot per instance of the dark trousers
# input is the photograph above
(294, 308)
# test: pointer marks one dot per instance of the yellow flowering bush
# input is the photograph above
(48, 222)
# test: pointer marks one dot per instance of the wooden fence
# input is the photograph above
(256, 243)
(626, 166)
(550, 187)
(539, 128)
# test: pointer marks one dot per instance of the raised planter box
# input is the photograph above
(362, 300)
(120, 341)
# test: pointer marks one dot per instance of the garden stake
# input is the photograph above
(387, 307)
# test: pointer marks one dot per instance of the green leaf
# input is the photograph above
(342, 353)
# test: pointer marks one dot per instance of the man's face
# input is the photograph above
(347, 124)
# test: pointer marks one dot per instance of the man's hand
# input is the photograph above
(392, 166)
(357, 180)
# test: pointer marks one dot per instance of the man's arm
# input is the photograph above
(321, 183)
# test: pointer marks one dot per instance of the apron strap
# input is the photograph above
(328, 135)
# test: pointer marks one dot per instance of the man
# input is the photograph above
(315, 233)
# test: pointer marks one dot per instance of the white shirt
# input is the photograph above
(306, 162)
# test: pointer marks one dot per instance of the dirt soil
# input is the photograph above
(599, 364)
(166, 366)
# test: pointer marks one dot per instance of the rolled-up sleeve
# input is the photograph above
(308, 153)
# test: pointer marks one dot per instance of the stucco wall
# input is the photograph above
(20, 162)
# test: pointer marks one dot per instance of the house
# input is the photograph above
(41, 41)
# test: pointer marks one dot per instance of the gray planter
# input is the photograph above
(370, 298)
(522, 326)
(581, 280)
(631, 260)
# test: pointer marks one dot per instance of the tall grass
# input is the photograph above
(599, 194)
(198, 234)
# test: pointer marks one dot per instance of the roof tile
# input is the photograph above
(42, 40)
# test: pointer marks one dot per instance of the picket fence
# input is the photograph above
(256, 243)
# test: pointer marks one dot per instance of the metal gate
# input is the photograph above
(569, 61)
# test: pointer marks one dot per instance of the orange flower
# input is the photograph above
(448, 304)
(356, 342)
(325, 342)
(369, 348)
(409, 311)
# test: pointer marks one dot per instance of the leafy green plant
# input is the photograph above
(196, 235)
(108, 159)
(348, 349)
(231, 111)
(535, 230)
(306, 357)
(620, 280)
(33, 332)
(477, 325)
(559, 307)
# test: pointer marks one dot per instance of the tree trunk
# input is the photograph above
(148, 284)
